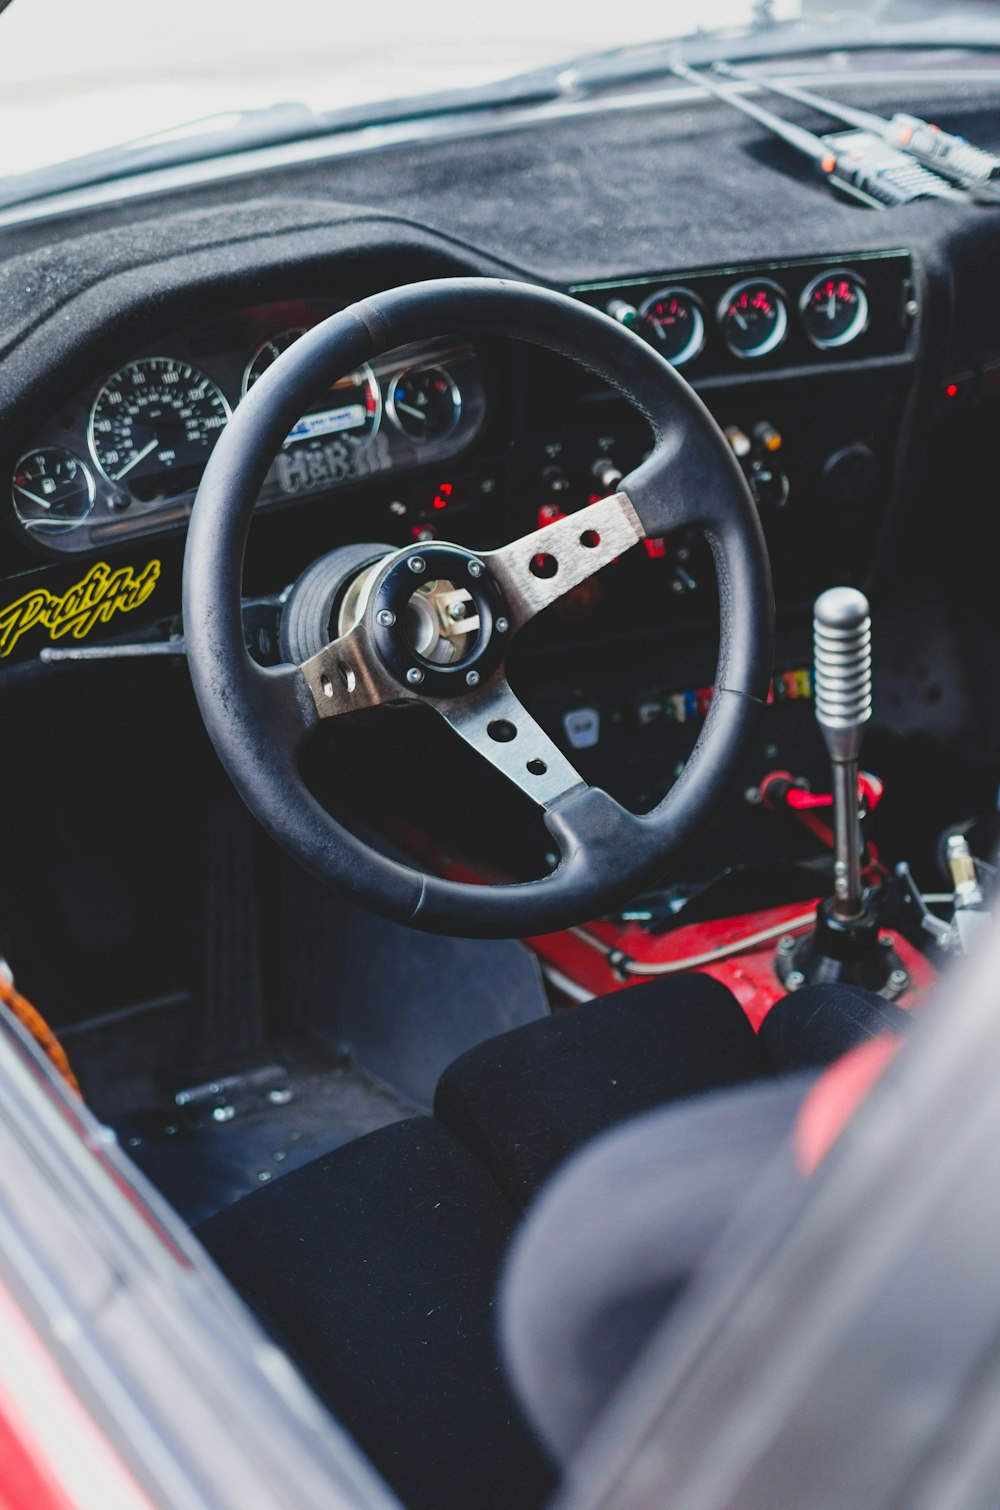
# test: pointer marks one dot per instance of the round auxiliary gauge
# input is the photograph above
(53, 490)
(267, 352)
(154, 424)
(425, 402)
(753, 317)
(352, 407)
(673, 322)
(834, 309)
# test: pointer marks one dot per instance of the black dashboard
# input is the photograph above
(122, 456)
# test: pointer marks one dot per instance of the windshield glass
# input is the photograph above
(81, 75)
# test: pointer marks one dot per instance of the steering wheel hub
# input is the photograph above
(437, 620)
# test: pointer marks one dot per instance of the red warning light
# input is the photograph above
(442, 497)
(951, 390)
(656, 547)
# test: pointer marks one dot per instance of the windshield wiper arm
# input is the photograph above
(794, 38)
(950, 156)
(856, 164)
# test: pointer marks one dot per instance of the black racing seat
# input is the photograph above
(376, 1265)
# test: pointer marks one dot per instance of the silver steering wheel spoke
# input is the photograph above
(346, 676)
(501, 729)
(538, 569)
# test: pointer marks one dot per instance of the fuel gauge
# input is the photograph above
(753, 317)
(53, 490)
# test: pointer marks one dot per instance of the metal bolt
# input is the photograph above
(414, 676)
(417, 564)
(786, 945)
(280, 1096)
(472, 678)
(456, 611)
(502, 625)
(618, 963)
(886, 940)
(223, 1113)
(898, 979)
(794, 980)
(263, 1175)
(386, 618)
(397, 508)
(475, 568)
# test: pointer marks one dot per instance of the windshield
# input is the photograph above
(77, 76)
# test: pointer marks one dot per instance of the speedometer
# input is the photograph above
(153, 425)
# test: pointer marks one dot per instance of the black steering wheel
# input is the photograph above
(258, 717)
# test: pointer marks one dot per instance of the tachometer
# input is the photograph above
(352, 407)
(425, 402)
(673, 322)
(153, 425)
(834, 309)
(267, 352)
(53, 490)
(753, 317)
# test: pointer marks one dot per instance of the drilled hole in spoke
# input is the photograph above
(543, 565)
(591, 539)
(326, 684)
(502, 730)
(537, 767)
(347, 677)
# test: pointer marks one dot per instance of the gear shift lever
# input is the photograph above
(842, 689)
(844, 945)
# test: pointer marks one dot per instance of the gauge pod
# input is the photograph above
(672, 320)
(753, 318)
(356, 407)
(834, 309)
(155, 422)
(53, 490)
(424, 402)
(267, 352)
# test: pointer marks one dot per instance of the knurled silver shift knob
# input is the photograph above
(842, 672)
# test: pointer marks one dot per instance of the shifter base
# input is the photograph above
(850, 952)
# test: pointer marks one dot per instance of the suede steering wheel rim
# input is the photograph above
(258, 717)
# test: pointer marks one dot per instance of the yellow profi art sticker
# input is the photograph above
(102, 593)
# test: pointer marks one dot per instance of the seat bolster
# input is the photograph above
(524, 1101)
(814, 1026)
(376, 1266)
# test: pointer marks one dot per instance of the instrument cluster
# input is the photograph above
(124, 456)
